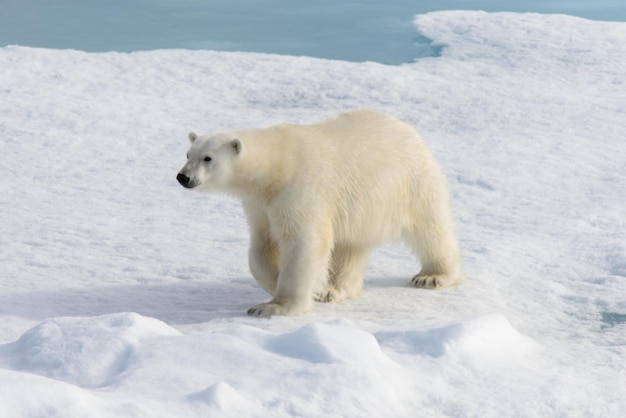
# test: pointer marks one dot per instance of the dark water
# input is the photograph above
(359, 30)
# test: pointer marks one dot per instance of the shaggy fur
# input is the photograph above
(319, 197)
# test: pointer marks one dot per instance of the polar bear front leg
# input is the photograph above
(263, 258)
(263, 254)
(303, 271)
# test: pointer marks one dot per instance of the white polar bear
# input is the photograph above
(319, 197)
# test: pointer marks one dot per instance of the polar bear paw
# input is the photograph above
(431, 281)
(265, 310)
(328, 295)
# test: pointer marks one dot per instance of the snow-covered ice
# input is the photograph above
(121, 294)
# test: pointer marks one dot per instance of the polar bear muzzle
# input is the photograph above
(185, 181)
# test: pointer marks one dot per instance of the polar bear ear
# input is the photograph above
(192, 137)
(236, 144)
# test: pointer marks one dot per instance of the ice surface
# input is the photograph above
(121, 294)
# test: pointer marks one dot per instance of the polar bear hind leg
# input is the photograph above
(439, 257)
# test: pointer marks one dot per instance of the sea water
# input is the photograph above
(353, 30)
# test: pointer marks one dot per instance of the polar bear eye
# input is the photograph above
(207, 158)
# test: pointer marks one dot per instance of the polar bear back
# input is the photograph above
(368, 170)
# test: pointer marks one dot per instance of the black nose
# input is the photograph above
(183, 179)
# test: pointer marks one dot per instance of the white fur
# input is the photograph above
(319, 197)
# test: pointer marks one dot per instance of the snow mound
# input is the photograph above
(224, 400)
(489, 338)
(87, 352)
(328, 343)
(27, 395)
(317, 362)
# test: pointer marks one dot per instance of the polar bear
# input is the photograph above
(319, 197)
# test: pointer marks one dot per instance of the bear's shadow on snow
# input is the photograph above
(180, 303)
(174, 303)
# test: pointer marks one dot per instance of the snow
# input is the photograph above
(121, 294)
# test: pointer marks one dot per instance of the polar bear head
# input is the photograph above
(210, 162)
